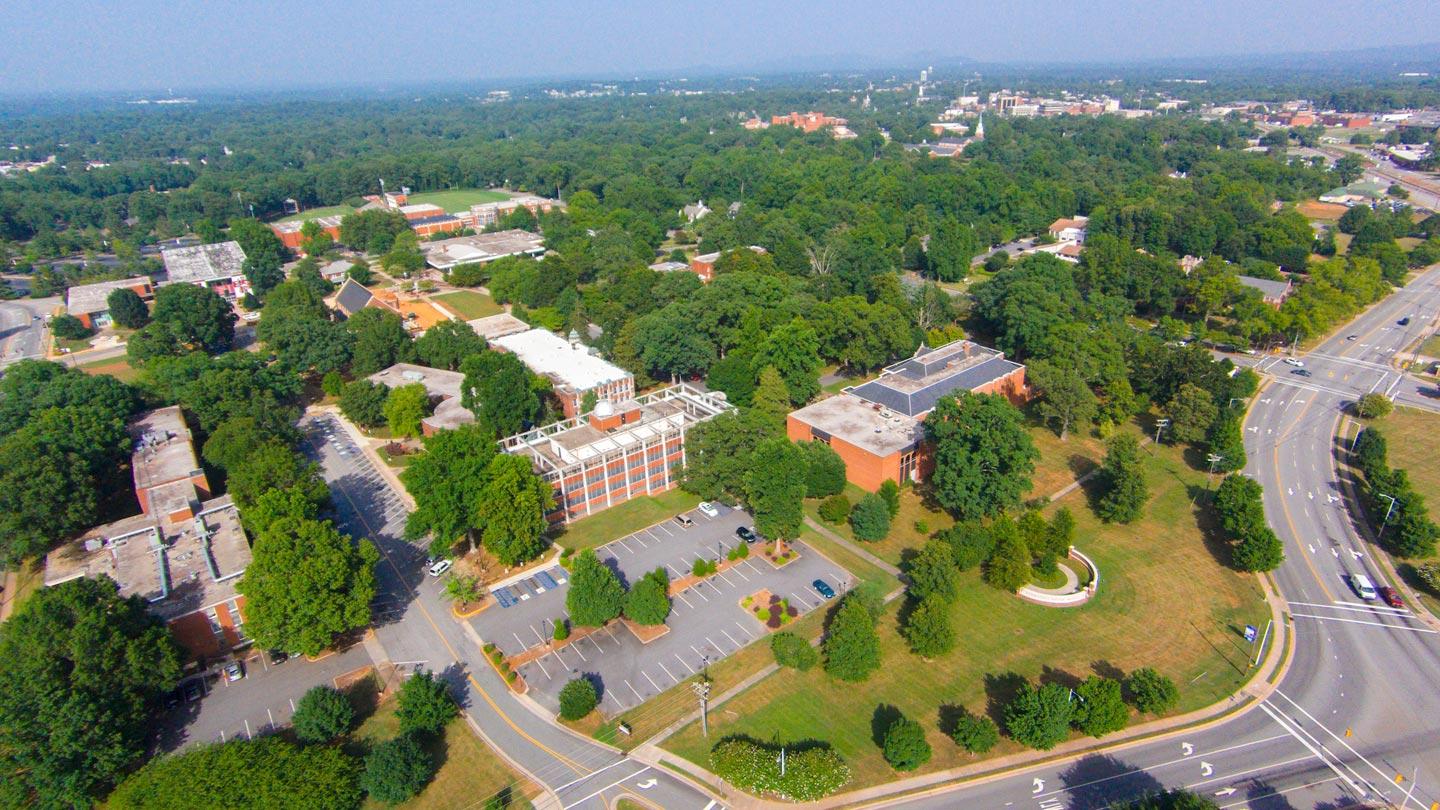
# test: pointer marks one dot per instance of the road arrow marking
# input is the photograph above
(1187, 749)
(1225, 792)
(646, 785)
(1289, 491)
(1039, 785)
(1335, 551)
(1206, 768)
(1266, 400)
(1253, 429)
(1311, 547)
(1356, 554)
(1332, 497)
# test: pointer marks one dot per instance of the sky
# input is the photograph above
(149, 46)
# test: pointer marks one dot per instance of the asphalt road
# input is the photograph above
(416, 628)
(1359, 703)
(22, 328)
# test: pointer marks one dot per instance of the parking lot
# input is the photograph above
(706, 622)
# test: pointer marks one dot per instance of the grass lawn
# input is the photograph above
(631, 516)
(1431, 346)
(469, 774)
(314, 213)
(1409, 435)
(1165, 601)
(29, 578)
(458, 199)
(469, 304)
(1060, 463)
(117, 367)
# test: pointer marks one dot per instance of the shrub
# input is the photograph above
(562, 629)
(810, 773)
(905, 747)
(835, 509)
(704, 568)
(396, 770)
(932, 572)
(1373, 406)
(793, 651)
(1429, 576)
(425, 704)
(970, 543)
(577, 699)
(1151, 692)
(921, 527)
(1100, 709)
(870, 519)
(890, 492)
(975, 733)
(740, 552)
(332, 383)
(1039, 717)
(322, 714)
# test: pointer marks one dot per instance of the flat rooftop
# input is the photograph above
(443, 254)
(87, 299)
(163, 449)
(202, 263)
(178, 569)
(864, 424)
(545, 352)
(498, 326)
(439, 383)
(913, 386)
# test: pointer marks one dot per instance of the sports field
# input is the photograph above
(458, 199)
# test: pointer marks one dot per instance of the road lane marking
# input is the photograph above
(1388, 611)
(1383, 776)
(1300, 735)
(607, 787)
(1370, 624)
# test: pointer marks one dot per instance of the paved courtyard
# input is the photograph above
(707, 622)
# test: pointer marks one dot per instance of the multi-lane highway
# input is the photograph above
(1358, 705)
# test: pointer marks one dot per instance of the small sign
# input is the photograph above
(1250, 633)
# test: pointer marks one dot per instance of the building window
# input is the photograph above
(819, 436)
(237, 619)
(907, 464)
(215, 626)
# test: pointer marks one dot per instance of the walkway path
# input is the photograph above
(1071, 583)
(852, 548)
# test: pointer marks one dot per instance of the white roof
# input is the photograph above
(201, 263)
(545, 352)
(87, 299)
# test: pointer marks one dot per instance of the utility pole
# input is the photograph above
(1213, 458)
(1160, 425)
(1388, 510)
(702, 691)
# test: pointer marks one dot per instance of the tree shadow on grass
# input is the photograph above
(1101, 781)
(1105, 669)
(1209, 525)
(1059, 677)
(880, 722)
(1081, 465)
(999, 691)
(364, 696)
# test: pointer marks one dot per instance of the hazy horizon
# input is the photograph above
(145, 46)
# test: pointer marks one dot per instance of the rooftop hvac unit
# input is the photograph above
(413, 376)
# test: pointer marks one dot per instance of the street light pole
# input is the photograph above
(1160, 425)
(1388, 510)
(1214, 458)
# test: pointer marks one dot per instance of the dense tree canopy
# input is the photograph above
(983, 456)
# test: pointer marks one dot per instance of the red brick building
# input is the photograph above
(876, 427)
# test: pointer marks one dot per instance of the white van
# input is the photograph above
(1363, 586)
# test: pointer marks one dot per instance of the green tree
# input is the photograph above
(1259, 550)
(333, 384)
(45, 495)
(932, 572)
(498, 390)
(1226, 440)
(983, 454)
(1100, 709)
(404, 256)
(648, 601)
(1191, 413)
(1065, 400)
(1151, 692)
(264, 253)
(851, 647)
(975, 733)
(904, 745)
(577, 699)
(81, 671)
(306, 585)
(127, 309)
(363, 402)
(1009, 565)
(264, 772)
(322, 714)
(405, 407)
(596, 595)
(69, 327)
(771, 397)
(928, 628)
(793, 651)
(379, 339)
(273, 466)
(835, 509)
(447, 343)
(775, 488)
(824, 470)
(889, 492)
(196, 316)
(425, 704)
(513, 504)
(396, 770)
(718, 453)
(794, 350)
(870, 519)
(373, 231)
(1039, 717)
(447, 482)
(1373, 406)
(233, 442)
(1348, 168)
(971, 543)
(1123, 479)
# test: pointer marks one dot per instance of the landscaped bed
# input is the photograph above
(1167, 603)
(769, 609)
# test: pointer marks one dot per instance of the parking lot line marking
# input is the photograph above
(292, 705)
(636, 538)
(672, 570)
(803, 604)
(523, 645)
(582, 655)
(741, 628)
(543, 669)
(681, 596)
(610, 631)
(667, 672)
(621, 542)
(736, 570)
(652, 680)
(732, 639)
(560, 658)
(592, 640)
(271, 715)
(248, 735)
(682, 662)
(662, 528)
(637, 694)
(752, 567)
(537, 634)
(721, 574)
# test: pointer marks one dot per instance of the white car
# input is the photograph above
(1290, 361)
(440, 567)
(709, 509)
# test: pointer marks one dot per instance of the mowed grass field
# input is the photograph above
(117, 367)
(323, 211)
(469, 775)
(458, 199)
(469, 304)
(1165, 600)
(627, 518)
(1410, 438)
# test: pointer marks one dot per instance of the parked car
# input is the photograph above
(709, 509)
(439, 568)
(278, 657)
(1391, 597)
(823, 588)
(1301, 372)
(684, 522)
(1291, 361)
(194, 691)
(747, 534)
(234, 671)
(1364, 588)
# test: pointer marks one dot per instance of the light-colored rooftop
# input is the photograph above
(864, 424)
(669, 267)
(202, 263)
(177, 568)
(545, 352)
(439, 383)
(498, 326)
(482, 247)
(87, 299)
(162, 448)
